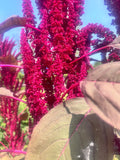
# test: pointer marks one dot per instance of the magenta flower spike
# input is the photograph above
(9, 104)
(33, 80)
(28, 12)
(60, 44)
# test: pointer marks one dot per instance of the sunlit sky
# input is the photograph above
(95, 12)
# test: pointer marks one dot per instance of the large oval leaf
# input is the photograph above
(102, 92)
(59, 137)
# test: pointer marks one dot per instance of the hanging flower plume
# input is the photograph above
(33, 80)
(113, 7)
(59, 43)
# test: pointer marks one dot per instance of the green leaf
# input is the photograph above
(65, 134)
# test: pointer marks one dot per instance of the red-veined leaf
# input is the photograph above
(5, 92)
(102, 92)
(8, 93)
(59, 137)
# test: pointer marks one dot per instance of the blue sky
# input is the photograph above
(95, 12)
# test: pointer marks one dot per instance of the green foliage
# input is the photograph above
(20, 75)
(24, 120)
(96, 64)
(2, 133)
(116, 157)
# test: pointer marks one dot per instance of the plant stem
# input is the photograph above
(3, 145)
(13, 151)
(76, 129)
(22, 111)
(73, 86)
(11, 65)
(20, 100)
(96, 50)
(30, 26)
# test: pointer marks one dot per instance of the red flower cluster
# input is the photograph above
(14, 136)
(8, 106)
(58, 44)
(114, 56)
(114, 9)
(33, 80)
(28, 12)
